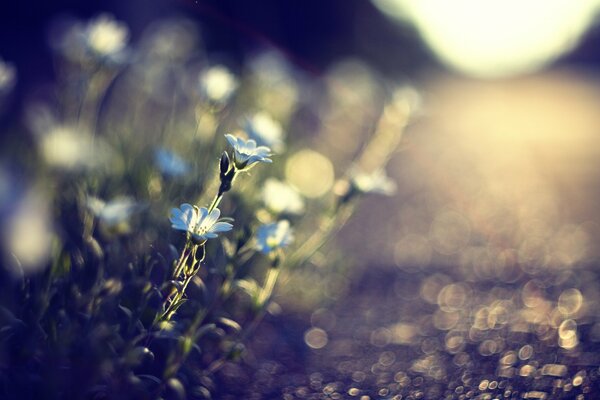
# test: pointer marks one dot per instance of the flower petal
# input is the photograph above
(221, 227)
(211, 218)
(232, 140)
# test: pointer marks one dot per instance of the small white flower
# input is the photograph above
(266, 131)
(105, 36)
(198, 221)
(281, 198)
(27, 231)
(102, 38)
(247, 152)
(66, 147)
(273, 236)
(375, 182)
(113, 213)
(8, 76)
(218, 84)
(170, 163)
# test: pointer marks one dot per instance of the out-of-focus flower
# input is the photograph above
(63, 146)
(199, 222)
(375, 182)
(265, 130)
(102, 38)
(105, 36)
(270, 237)
(247, 153)
(217, 84)
(8, 77)
(114, 213)
(171, 39)
(276, 86)
(281, 198)
(170, 163)
(27, 232)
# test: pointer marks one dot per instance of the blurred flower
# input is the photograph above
(102, 38)
(276, 88)
(171, 39)
(113, 213)
(273, 236)
(8, 77)
(375, 182)
(218, 84)
(105, 36)
(198, 221)
(265, 130)
(170, 163)
(247, 153)
(65, 147)
(281, 198)
(27, 232)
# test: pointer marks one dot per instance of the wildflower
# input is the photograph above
(247, 153)
(265, 130)
(106, 37)
(27, 231)
(66, 147)
(200, 223)
(102, 38)
(8, 76)
(270, 237)
(281, 198)
(375, 182)
(170, 163)
(218, 84)
(113, 213)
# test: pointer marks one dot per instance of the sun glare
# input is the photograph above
(496, 38)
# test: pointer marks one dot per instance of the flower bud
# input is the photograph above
(224, 165)
(226, 181)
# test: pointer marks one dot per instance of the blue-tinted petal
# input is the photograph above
(232, 140)
(221, 227)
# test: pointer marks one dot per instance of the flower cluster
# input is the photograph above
(87, 239)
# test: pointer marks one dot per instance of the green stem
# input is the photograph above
(317, 240)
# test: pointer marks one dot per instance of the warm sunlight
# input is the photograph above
(496, 38)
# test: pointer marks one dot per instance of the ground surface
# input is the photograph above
(400, 335)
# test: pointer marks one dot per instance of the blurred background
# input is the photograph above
(510, 94)
(498, 178)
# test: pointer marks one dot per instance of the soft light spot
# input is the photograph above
(316, 338)
(310, 172)
(496, 38)
(570, 301)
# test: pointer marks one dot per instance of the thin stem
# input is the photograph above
(215, 202)
(317, 240)
(182, 260)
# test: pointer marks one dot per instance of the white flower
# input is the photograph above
(27, 231)
(105, 36)
(66, 147)
(265, 130)
(273, 236)
(170, 163)
(247, 152)
(375, 182)
(198, 221)
(102, 38)
(218, 84)
(281, 198)
(8, 76)
(114, 212)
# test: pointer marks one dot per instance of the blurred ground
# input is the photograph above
(480, 279)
